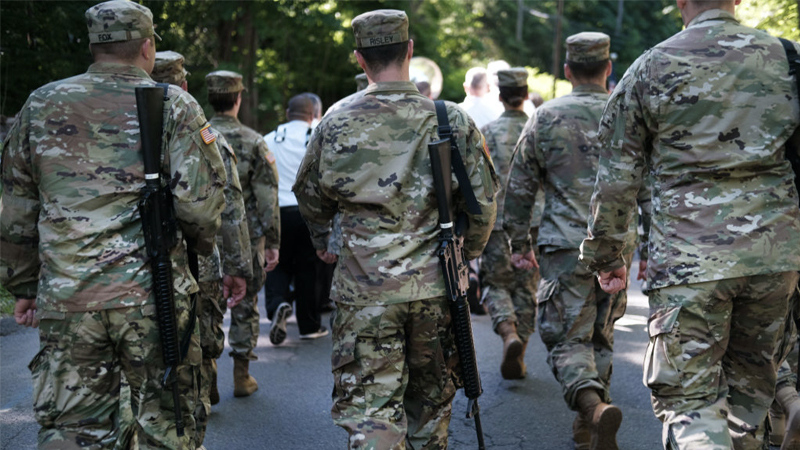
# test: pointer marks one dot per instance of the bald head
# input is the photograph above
(301, 107)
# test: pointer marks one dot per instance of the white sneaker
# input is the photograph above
(317, 334)
(277, 333)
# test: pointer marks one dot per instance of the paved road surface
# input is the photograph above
(290, 411)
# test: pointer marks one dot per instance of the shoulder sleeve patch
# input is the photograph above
(270, 157)
(207, 135)
(486, 149)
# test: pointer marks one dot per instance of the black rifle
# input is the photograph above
(160, 235)
(455, 267)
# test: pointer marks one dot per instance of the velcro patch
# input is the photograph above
(207, 135)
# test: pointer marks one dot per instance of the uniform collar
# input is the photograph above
(513, 113)
(392, 86)
(712, 14)
(118, 69)
(589, 88)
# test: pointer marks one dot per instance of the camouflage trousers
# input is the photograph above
(787, 372)
(76, 381)
(711, 362)
(210, 312)
(511, 292)
(243, 333)
(576, 324)
(393, 376)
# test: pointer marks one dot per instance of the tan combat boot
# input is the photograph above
(213, 394)
(510, 367)
(243, 383)
(790, 402)
(605, 419)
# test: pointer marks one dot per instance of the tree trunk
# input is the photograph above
(557, 47)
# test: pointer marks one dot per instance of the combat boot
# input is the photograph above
(243, 383)
(510, 367)
(213, 393)
(581, 433)
(790, 402)
(604, 419)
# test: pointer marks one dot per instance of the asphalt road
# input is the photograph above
(290, 411)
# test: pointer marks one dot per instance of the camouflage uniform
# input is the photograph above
(72, 238)
(259, 179)
(235, 242)
(511, 292)
(724, 213)
(393, 350)
(558, 153)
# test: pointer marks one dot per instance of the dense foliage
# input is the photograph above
(284, 47)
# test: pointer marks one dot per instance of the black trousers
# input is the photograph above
(297, 267)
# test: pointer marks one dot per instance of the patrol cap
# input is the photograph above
(118, 21)
(169, 68)
(380, 27)
(224, 82)
(588, 47)
(513, 77)
(361, 81)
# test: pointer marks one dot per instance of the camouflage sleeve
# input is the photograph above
(265, 188)
(317, 209)
(19, 234)
(624, 136)
(524, 181)
(485, 185)
(236, 258)
(198, 175)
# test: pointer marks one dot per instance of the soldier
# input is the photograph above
(511, 297)
(236, 263)
(558, 152)
(259, 179)
(707, 113)
(72, 247)
(393, 350)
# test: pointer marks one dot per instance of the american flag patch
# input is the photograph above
(207, 135)
(270, 157)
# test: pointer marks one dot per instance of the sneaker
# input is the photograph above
(317, 334)
(277, 333)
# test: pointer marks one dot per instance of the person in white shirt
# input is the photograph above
(477, 103)
(298, 263)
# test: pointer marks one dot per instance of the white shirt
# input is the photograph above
(481, 109)
(288, 144)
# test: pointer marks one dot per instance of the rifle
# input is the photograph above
(160, 236)
(450, 250)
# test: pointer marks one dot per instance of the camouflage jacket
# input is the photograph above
(709, 111)
(501, 138)
(233, 236)
(258, 177)
(557, 153)
(369, 161)
(70, 231)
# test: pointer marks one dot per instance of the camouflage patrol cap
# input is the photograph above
(361, 81)
(380, 27)
(224, 82)
(513, 77)
(588, 47)
(169, 68)
(119, 20)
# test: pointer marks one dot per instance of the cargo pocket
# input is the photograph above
(44, 394)
(551, 314)
(661, 370)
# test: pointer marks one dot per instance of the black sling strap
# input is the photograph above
(446, 132)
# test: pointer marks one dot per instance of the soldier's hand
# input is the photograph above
(25, 312)
(271, 255)
(642, 275)
(524, 262)
(326, 257)
(233, 289)
(615, 281)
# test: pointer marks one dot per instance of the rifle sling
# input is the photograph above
(446, 132)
